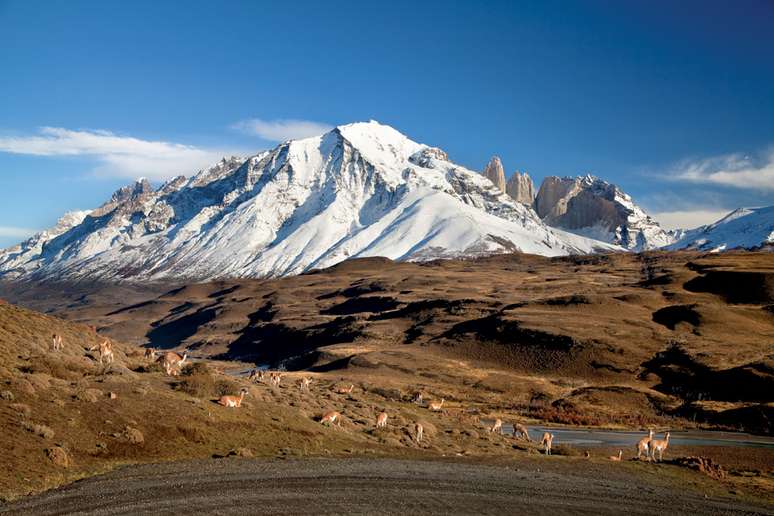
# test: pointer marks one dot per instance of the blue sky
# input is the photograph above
(675, 103)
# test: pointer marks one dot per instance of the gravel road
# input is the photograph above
(368, 486)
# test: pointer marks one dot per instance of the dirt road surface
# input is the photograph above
(367, 486)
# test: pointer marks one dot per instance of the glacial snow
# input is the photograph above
(362, 189)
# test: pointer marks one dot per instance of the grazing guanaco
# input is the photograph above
(547, 442)
(105, 351)
(420, 430)
(497, 426)
(233, 401)
(381, 421)
(331, 417)
(305, 383)
(660, 446)
(616, 458)
(520, 430)
(344, 390)
(56, 343)
(643, 446)
(436, 406)
(171, 359)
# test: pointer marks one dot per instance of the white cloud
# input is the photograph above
(14, 232)
(688, 219)
(735, 170)
(119, 156)
(282, 130)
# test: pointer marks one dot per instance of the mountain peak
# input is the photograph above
(495, 172)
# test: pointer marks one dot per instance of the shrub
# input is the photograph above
(39, 430)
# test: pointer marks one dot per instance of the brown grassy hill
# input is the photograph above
(664, 339)
(617, 339)
(64, 416)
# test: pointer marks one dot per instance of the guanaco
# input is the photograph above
(305, 383)
(617, 458)
(418, 398)
(436, 406)
(381, 421)
(547, 442)
(660, 446)
(344, 390)
(275, 379)
(643, 446)
(420, 430)
(497, 426)
(257, 375)
(105, 351)
(521, 431)
(150, 353)
(332, 418)
(56, 343)
(172, 362)
(233, 401)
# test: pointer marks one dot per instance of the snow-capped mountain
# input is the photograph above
(594, 208)
(362, 189)
(745, 228)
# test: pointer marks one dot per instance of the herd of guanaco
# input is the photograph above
(172, 363)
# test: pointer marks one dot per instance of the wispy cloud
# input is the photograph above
(281, 130)
(734, 170)
(14, 232)
(118, 155)
(688, 219)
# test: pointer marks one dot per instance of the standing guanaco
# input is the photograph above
(381, 421)
(497, 426)
(233, 401)
(643, 446)
(547, 442)
(420, 430)
(56, 343)
(617, 458)
(436, 406)
(275, 378)
(331, 417)
(305, 383)
(660, 446)
(150, 353)
(105, 351)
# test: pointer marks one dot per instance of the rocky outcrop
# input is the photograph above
(521, 188)
(495, 173)
(594, 208)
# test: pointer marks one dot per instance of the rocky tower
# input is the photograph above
(495, 173)
(597, 209)
(521, 188)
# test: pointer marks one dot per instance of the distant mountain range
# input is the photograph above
(362, 189)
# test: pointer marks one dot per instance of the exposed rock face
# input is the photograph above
(521, 188)
(594, 208)
(495, 173)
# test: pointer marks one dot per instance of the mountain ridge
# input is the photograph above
(362, 189)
